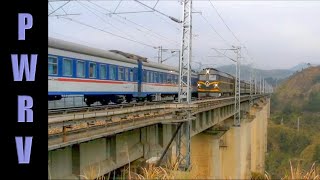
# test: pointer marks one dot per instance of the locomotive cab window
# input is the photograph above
(93, 70)
(80, 69)
(67, 67)
(202, 77)
(212, 77)
(103, 71)
(52, 65)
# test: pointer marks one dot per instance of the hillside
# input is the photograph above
(300, 91)
(245, 72)
(294, 129)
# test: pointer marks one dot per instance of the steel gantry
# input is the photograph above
(184, 136)
(237, 89)
(251, 85)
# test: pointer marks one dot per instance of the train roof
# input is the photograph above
(218, 72)
(110, 54)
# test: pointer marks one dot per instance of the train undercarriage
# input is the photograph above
(118, 99)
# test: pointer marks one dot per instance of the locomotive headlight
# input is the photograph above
(198, 85)
(215, 85)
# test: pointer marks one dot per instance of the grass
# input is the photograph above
(299, 173)
(93, 172)
(171, 171)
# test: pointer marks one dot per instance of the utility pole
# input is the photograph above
(237, 90)
(251, 86)
(260, 89)
(264, 85)
(184, 91)
(255, 84)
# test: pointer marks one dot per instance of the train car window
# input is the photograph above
(131, 74)
(126, 74)
(103, 71)
(67, 67)
(92, 70)
(202, 77)
(160, 78)
(145, 76)
(164, 78)
(155, 77)
(170, 78)
(148, 76)
(52, 65)
(112, 72)
(80, 69)
(176, 79)
(121, 73)
(151, 77)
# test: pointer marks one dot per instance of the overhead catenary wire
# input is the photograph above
(136, 24)
(110, 33)
(211, 26)
(230, 29)
(172, 18)
(58, 8)
(117, 6)
(163, 14)
(87, 7)
(224, 21)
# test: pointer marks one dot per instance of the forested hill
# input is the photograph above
(294, 128)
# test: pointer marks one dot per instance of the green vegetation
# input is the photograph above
(298, 98)
(313, 104)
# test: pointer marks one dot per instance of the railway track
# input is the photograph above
(102, 107)
(84, 108)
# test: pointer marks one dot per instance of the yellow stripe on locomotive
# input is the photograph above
(208, 86)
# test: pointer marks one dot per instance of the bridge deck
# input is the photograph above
(74, 128)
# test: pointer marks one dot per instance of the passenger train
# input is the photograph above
(107, 76)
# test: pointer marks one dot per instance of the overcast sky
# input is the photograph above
(277, 34)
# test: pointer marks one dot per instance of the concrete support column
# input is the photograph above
(216, 160)
(75, 159)
(203, 119)
(209, 117)
(237, 149)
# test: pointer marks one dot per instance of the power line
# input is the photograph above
(107, 32)
(205, 19)
(170, 17)
(141, 26)
(117, 6)
(59, 8)
(230, 29)
(155, 4)
(87, 7)
(224, 22)
(224, 55)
